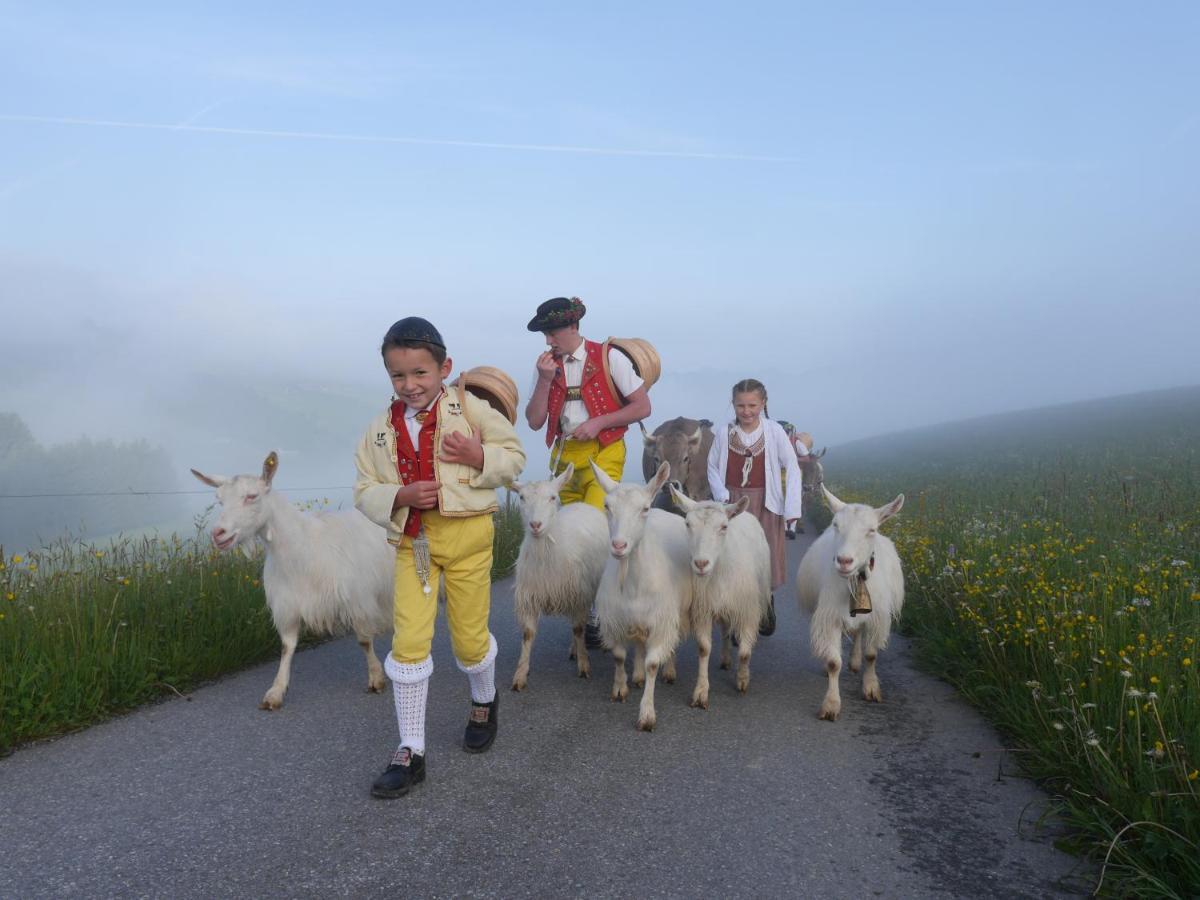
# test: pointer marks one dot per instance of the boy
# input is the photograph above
(428, 469)
(584, 418)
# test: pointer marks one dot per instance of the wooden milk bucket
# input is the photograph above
(494, 387)
(641, 353)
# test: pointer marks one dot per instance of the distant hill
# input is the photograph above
(1134, 425)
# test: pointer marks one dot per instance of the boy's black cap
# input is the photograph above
(556, 313)
(414, 328)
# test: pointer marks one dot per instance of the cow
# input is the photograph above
(684, 444)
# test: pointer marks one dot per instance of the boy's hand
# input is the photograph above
(419, 495)
(546, 366)
(587, 431)
(458, 448)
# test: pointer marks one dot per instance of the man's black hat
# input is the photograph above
(556, 313)
(414, 328)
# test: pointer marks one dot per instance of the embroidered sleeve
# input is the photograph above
(503, 455)
(373, 493)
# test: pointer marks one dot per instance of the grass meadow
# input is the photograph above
(88, 631)
(1053, 573)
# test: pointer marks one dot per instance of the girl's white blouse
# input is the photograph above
(779, 457)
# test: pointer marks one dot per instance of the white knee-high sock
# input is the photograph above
(482, 674)
(410, 688)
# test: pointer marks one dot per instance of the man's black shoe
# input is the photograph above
(767, 626)
(481, 727)
(591, 636)
(405, 770)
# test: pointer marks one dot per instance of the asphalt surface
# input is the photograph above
(211, 797)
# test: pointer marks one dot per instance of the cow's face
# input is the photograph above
(676, 448)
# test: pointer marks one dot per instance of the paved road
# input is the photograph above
(211, 797)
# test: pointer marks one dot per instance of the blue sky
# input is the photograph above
(892, 214)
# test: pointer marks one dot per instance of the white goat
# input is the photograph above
(325, 572)
(559, 567)
(646, 591)
(851, 557)
(731, 583)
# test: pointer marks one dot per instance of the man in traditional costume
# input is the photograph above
(586, 399)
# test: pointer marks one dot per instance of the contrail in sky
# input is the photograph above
(388, 139)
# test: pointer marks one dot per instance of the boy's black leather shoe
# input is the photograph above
(405, 770)
(767, 626)
(481, 727)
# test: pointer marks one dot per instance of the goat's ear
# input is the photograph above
(834, 503)
(660, 478)
(682, 500)
(735, 509)
(566, 475)
(886, 512)
(210, 480)
(270, 464)
(602, 478)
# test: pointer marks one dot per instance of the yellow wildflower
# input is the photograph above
(17, 560)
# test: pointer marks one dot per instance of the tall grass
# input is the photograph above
(1058, 588)
(87, 631)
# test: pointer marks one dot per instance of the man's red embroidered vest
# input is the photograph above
(597, 396)
(411, 464)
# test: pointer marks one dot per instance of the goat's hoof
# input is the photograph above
(639, 682)
(518, 685)
(743, 685)
(271, 703)
(829, 712)
(700, 702)
(585, 673)
(646, 723)
(872, 694)
(619, 694)
(376, 687)
(668, 678)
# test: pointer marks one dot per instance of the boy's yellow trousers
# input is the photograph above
(583, 485)
(460, 551)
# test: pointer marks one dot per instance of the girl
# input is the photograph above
(748, 459)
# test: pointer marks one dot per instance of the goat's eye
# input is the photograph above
(870, 531)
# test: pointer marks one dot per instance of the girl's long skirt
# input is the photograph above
(772, 526)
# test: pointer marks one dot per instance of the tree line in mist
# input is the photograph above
(80, 467)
